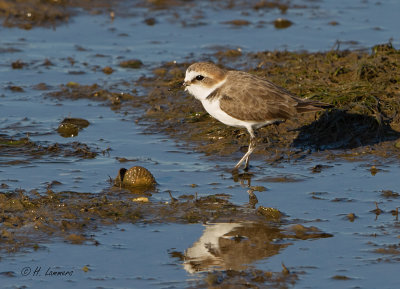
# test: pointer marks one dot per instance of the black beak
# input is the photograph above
(177, 85)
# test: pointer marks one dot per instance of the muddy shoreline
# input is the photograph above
(363, 85)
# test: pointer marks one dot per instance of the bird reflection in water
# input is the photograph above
(233, 246)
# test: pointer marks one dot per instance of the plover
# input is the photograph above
(240, 99)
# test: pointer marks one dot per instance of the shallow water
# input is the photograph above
(138, 256)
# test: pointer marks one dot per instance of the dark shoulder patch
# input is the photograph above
(212, 95)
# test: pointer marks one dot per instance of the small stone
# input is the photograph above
(269, 213)
(16, 88)
(72, 84)
(76, 239)
(351, 217)
(108, 70)
(133, 63)
(374, 170)
(238, 22)
(17, 64)
(141, 200)
(79, 122)
(85, 269)
(150, 21)
(340, 277)
(68, 130)
(281, 23)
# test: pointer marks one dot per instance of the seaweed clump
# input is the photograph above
(28, 218)
(23, 150)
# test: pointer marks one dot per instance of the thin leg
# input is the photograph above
(246, 164)
(252, 146)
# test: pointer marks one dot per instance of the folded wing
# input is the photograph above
(251, 98)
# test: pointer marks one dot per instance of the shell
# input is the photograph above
(136, 176)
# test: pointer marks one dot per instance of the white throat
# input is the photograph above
(198, 90)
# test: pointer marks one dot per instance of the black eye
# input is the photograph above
(199, 77)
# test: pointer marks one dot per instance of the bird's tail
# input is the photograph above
(310, 105)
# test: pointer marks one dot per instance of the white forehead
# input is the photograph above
(191, 74)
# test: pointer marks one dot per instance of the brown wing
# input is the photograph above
(249, 97)
(252, 98)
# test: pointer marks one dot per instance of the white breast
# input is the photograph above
(213, 108)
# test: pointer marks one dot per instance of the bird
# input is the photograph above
(241, 99)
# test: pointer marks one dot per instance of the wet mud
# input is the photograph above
(28, 14)
(95, 92)
(29, 217)
(249, 278)
(23, 150)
